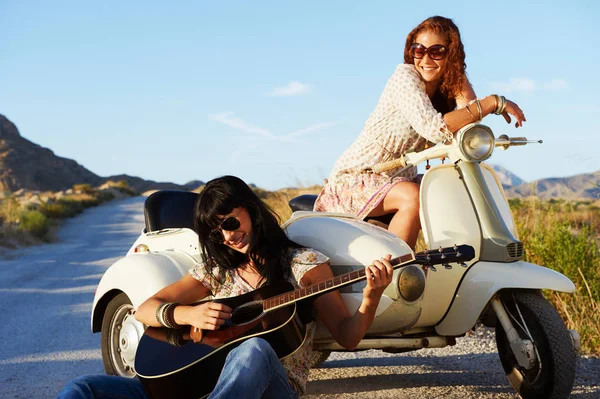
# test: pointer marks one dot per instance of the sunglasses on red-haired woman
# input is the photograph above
(436, 52)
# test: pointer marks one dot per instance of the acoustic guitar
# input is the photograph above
(270, 312)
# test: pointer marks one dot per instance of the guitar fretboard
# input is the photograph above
(327, 285)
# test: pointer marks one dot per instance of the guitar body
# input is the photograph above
(192, 370)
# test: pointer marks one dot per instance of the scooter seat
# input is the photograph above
(304, 202)
(170, 209)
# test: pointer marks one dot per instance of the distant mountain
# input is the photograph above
(24, 164)
(507, 178)
(584, 186)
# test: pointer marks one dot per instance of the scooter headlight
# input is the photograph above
(476, 142)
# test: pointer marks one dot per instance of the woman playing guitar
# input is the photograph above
(243, 249)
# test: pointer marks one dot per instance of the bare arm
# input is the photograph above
(467, 94)
(207, 316)
(462, 117)
(348, 329)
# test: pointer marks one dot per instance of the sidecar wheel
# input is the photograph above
(554, 373)
(121, 333)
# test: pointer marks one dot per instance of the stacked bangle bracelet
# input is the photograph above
(470, 113)
(500, 104)
(479, 109)
(164, 314)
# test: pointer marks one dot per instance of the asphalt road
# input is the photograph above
(46, 294)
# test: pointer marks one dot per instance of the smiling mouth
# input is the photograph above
(237, 242)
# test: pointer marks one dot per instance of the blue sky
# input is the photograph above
(275, 91)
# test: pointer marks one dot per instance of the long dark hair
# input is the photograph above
(269, 248)
(453, 77)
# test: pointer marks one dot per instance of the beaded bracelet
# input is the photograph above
(165, 314)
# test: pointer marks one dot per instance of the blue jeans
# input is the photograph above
(252, 370)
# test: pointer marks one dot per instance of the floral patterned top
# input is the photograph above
(231, 284)
(404, 120)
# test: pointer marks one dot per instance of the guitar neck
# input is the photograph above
(325, 286)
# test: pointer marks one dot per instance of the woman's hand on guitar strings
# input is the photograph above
(209, 315)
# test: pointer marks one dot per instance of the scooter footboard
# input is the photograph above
(484, 279)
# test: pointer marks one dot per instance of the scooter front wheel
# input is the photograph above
(553, 372)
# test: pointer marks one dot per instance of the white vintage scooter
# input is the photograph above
(462, 202)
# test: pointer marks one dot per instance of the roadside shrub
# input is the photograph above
(34, 222)
(83, 188)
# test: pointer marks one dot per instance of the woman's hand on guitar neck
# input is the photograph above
(379, 276)
(206, 316)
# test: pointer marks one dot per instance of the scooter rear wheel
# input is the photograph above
(553, 374)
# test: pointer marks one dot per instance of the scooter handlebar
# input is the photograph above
(385, 166)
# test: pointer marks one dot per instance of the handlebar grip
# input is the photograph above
(389, 165)
(518, 140)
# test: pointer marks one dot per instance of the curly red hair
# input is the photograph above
(453, 77)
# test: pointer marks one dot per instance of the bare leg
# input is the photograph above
(403, 200)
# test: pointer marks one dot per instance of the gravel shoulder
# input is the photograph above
(470, 369)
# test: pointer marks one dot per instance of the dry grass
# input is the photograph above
(565, 236)
(278, 200)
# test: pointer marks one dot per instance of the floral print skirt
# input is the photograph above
(357, 194)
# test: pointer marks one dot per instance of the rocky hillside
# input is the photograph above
(507, 178)
(584, 186)
(24, 164)
(29, 166)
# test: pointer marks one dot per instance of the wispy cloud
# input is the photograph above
(259, 135)
(294, 88)
(514, 84)
(312, 128)
(527, 85)
(556, 84)
(229, 119)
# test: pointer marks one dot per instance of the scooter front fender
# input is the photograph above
(139, 276)
(484, 279)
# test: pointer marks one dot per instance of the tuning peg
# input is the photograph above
(458, 254)
(463, 264)
(442, 256)
(433, 269)
(448, 266)
(455, 248)
(441, 249)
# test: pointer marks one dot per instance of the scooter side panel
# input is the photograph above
(499, 197)
(484, 279)
(351, 244)
(141, 275)
(447, 218)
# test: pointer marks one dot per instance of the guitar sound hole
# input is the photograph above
(246, 313)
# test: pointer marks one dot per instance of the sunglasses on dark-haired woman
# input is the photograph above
(230, 223)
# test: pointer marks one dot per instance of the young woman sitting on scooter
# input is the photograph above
(427, 99)
(245, 248)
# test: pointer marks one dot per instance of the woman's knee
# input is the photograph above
(255, 347)
(404, 196)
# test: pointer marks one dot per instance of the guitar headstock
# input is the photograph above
(445, 255)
